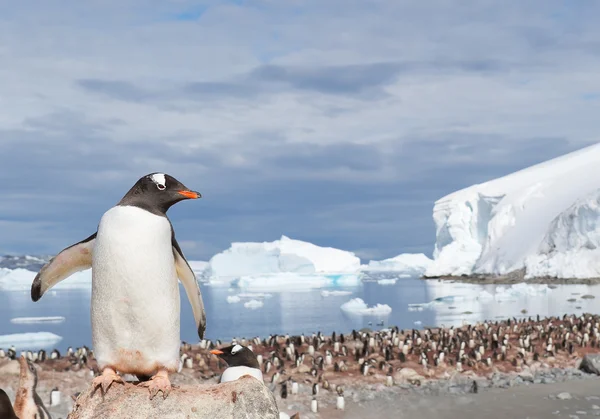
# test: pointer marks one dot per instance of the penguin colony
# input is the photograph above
(322, 364)
(136, 330)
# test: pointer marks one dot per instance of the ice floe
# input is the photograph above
(359, 307)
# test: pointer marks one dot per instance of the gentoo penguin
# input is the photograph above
(6, 409)
(240, 360)
(27, 402)
(135, 261)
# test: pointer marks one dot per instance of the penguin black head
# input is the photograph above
(157, 192)
(237, 356)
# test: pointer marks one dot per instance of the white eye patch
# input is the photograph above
(235, 349)
(159, 180)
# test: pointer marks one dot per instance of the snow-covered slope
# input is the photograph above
(284, 255)
(406, 263)
(542, 218)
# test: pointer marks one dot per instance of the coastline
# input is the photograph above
(511, 278)
(521, 371)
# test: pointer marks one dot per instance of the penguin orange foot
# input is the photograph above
(159, 382)
(105, 380)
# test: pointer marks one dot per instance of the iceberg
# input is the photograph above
(412, 264)
(232, 299)
(253, 304)
(280, 256)
(24, 341)
(357, 306)
(37, 320)
(542, 220)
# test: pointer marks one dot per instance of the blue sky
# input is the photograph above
(336, 122)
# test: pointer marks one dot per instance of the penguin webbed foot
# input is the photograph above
(159, 382)
(105, 380)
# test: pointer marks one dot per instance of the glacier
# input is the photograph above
(542, 220)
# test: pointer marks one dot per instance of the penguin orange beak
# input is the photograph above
(190, 194)
(216, 352)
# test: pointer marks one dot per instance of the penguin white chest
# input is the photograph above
(135, 296)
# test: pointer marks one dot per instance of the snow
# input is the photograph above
(280, 256)
(21, 280)
(29, 341)
(253, 304)
(414, 264)
(359, 307)
(325, 293)
(34, 320)
(543, 219)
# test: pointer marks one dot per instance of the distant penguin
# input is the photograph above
(240, 360)
(6, 409)
(136, 262)
(284, 390)
(55, 397)
(27, 402)
(314, 406)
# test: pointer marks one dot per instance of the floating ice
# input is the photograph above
(280, 256)
(359, 307)
(544, 219)
(232, 299)
(292, 281)
(253, 304)
(29, 340)
(254, 295)
(386, 281)
(34, 320)
(411, 264)
(325, 293)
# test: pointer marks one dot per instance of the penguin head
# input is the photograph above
(237, 356)
(157, 192)
(27, 373)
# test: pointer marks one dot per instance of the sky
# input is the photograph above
(339, 122)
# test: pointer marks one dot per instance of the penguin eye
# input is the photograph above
(161, 187)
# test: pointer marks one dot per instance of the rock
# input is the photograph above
(564, 396)
(408, 375)
(590, 364)
(246, 397)
(526, 376)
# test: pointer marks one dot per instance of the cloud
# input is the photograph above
(334, 122)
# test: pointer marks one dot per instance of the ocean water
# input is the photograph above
(415, 303)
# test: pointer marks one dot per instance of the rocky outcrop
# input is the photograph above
(590, 364)
(243, 398)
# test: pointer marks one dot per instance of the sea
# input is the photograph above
(235, 312)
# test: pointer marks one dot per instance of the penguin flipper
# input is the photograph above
(192, 289)
(73, 259)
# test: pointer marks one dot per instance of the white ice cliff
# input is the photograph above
(543, 218)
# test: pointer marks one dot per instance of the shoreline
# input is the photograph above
(396, 367)
(511, 278)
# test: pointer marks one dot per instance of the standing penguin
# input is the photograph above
(135, 261)
(241, 361)
(27, 402)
